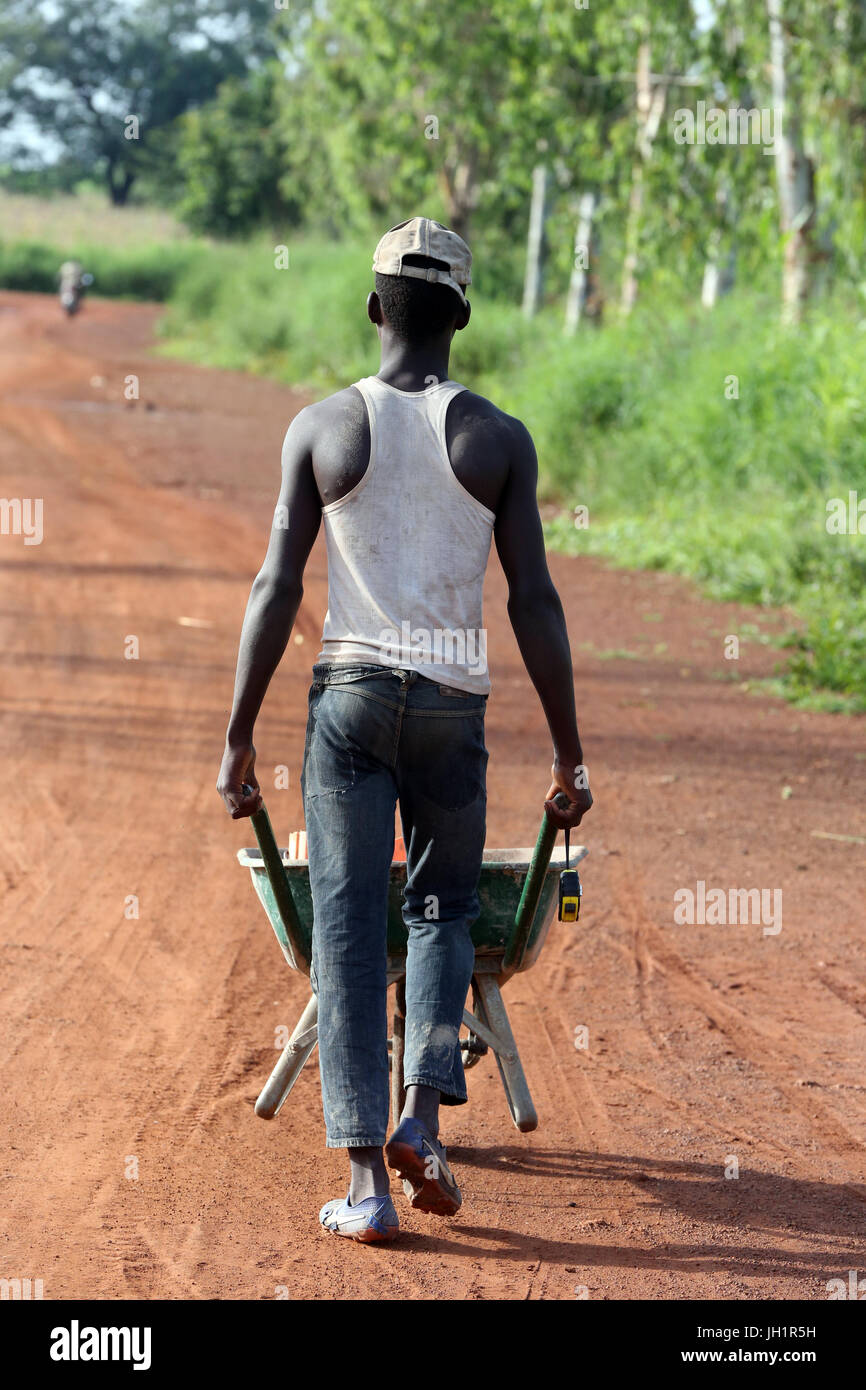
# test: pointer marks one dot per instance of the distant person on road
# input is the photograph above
(412, 474)
(73, 280)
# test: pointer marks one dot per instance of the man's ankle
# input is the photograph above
(422, 1103)
(368, 1175)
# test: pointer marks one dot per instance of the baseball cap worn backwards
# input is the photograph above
(422, 237)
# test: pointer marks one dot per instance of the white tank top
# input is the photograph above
(408, 548)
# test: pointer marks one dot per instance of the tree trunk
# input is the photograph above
(628, 296)
(650, 105)
(580, 271)
(794, 175)
(720, 275)
(719, 269)
(118, 188)
(710, 286)
(460, 187)
(535, 243)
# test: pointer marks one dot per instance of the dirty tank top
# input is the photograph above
(408, 548)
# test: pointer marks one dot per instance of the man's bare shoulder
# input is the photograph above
(476, 417)
(341, 408)
(334, 434)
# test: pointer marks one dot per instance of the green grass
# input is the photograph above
(144, 272)
(305, 324)
(86, 218)
(133, 253)
(730, 492)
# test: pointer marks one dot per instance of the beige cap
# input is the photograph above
(423, 237)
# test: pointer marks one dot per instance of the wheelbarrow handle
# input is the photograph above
(528, 905)
(275, 869)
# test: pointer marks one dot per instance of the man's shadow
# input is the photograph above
(829, 1217)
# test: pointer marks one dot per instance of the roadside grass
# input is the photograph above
(86, 217)
(132, 253)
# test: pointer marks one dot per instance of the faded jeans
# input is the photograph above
(376, 735)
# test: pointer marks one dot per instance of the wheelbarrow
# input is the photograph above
(518, 893)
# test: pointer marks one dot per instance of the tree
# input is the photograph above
(808, 60)
(106, 82)
(457, 107)
(234, 161)
(795, 173)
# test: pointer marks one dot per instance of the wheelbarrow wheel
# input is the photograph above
(472, 1049)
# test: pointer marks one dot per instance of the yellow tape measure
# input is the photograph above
(570, 890)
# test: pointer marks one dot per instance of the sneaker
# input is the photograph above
(420, 1160)
(373, 1219)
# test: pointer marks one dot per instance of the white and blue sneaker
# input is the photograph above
(421, 1161)
(373, 1219)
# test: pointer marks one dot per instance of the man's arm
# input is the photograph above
(536, 615)
(271, 611)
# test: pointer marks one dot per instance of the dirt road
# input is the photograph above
(134, 1046)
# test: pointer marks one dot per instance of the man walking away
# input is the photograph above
(411, 474)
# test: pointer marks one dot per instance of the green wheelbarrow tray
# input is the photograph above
(518, 897)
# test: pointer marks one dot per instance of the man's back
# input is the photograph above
(408, 541)
(481, 441)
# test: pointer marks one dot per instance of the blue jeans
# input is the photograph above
(374, 735)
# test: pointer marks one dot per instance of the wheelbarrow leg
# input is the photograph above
(291, 1063)
(507, 1057)
(398, 1090)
